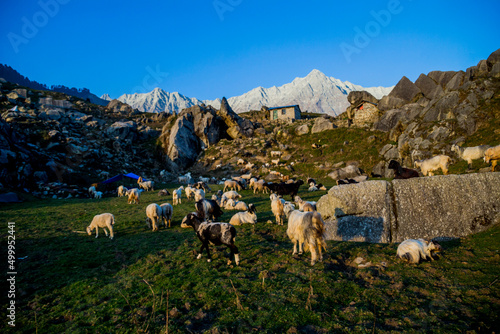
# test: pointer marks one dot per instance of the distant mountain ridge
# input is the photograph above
(314, 93)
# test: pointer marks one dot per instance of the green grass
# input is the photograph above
(74, 283)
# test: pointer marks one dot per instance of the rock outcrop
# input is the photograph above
(448, 206)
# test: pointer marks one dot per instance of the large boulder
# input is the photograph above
(302, 130)
(357, 96)
(238, 127)
(183, 144)
(116, 106)
(122, 130)
(322, 124)
(444, 206)
(348, 172)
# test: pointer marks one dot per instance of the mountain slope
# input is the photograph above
(314, 93)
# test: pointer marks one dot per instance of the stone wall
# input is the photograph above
(445, 206)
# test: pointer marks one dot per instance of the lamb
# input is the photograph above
(231, 204)
(308, 229)
(413, 251)
(98, 194)
(232, 185)
(177, 195)
(133, 195)
(214, 233)
(199, 194)
(146, 185)
(208, 209)
(103, 220)
(430, 165)
(470, 153)
(247, 217)
(401, 172)
(154, 213)
(167, 212)
(492, 154)
(304, 205)
(121, 191)
(277, 207)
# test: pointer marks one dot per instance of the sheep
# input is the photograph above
(214, 233)
(232, 185)
(229, 195)
(98, 194)
(177, 195)
(276, 154)
(133, 195)
(231, 204)
(285, 188)
(154, 213)
(164, 192)
(199, 194)
(246, 176)
(208, 209)
(308, 229)
(277, 207)
(240, 162)
(92, 190)
(469, 153)
(103, 220)
(202, 185)
(275, 162)
(241, 181)
(204, 179)
(185, 178)
(312, 188)
(190, 191)
(167, 212)
(492, 154)
(401, 172)
(249, 165)
(304, 205)
(121, 191)
(413, 251)
(261, 186)
(247, 217)
(430, 165)
(146, 185)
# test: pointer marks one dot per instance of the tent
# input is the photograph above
(120, 177)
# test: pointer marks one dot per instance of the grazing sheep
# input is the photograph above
(308, 229)
(92, 191)
(246, 176)
(430, 165)
(213, 233)
(492, 154)
(277, 207)
(305, 205)
(275, 162)
(177, 195)
(154, 213)
(146, 185)
(163, 192)
(167, 211)
(199, 194)
(413, 251)
(232, 185)
(247, 217)
(261, 186)
(121, 191)
(98, 194)
(469, 153)
(401, 172)
(208, 209)
(231, 204)
(249, 165)
(283, 189)
(103, 220)
(204, 179)
(133, 195)
(241, 181)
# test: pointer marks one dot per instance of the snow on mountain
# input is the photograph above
(106, 97)
(314, 93)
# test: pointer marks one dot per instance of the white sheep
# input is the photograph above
(229, 195)
(232, 185)
(430, 165)
(92, 191)
(121, 191)
(275, 162)
(307, 229)
(247, 217)
(177, 195)
(199, 194)
(231, 204)
(185, 178)
(470, 153)
(260, 186)
(98, 194)
(249, 165)
(277, 207)
(133, 195)
(240, 162)
(276, 154)
(246, 176)
(154, 213)
(103, 220)
(412, 250)
(492, 154)
(305, 205)
(167, 213)
(189, 191)
(146, 185)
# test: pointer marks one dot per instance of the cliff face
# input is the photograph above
(447, 206)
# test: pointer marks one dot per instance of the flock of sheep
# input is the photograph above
(305, 226)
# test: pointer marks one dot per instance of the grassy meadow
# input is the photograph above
(151, 282)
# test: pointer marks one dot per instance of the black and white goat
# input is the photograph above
(208, 209)
(214, 233)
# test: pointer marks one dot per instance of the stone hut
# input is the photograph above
(284, 113)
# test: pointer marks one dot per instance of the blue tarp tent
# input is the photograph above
(121, 176)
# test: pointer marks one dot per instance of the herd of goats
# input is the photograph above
(305, 226)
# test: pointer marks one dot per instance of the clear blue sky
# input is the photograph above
(209, 49)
